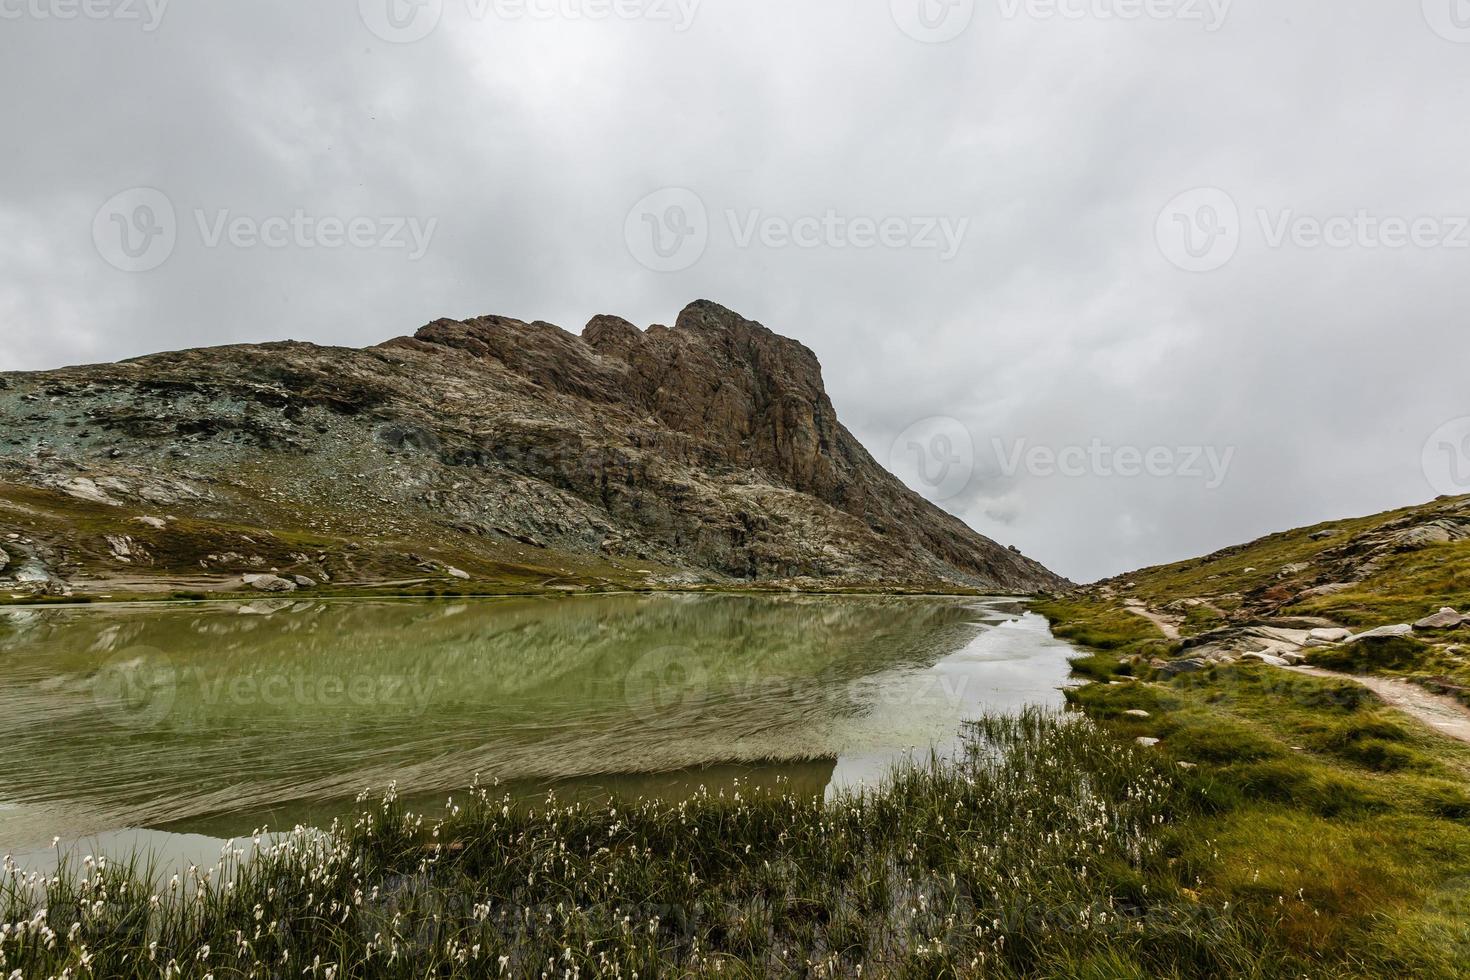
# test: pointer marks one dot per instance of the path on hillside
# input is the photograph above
(1443, 714)
(1167, 626)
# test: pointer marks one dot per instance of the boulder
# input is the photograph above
(1136, 713)
(33, 572)
(304, 581)
(1445, 619)
(1329, 635)
(83, 488)
(1188, 665)
(124, 548)
(1277, 634)
(270, 583)
(1266, 658)
(157, 523)
(1325, 590)
(458, 573)
(4, 559)
(1400, 629)
(1322, 535)
(1147, 742)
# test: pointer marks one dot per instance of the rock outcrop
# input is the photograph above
(709, 449)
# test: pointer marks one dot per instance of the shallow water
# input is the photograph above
(214, 719)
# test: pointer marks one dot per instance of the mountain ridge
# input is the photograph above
(708, 449)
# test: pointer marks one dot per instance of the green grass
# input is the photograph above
(1047, 851)
(1307, 787)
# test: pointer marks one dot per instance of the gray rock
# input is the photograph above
(456, 572)
(4, 559)
(124, 549)
(1188, 665)
(1322, 535)
(1266, 658)
(304, 581)
(83, 488)
(1136, 713)
(33, 572)
(1294, 658)
(157, 523)
(1445, 619)
(1325, 590)
(269, 583)
(1146, 742)
(1330, 635)
(1400, 629)
(1277, 634)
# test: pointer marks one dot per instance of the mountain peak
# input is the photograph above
(712, 448)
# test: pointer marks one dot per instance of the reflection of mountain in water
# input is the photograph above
(149, 714)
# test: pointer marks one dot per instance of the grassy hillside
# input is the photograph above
(1314, 788)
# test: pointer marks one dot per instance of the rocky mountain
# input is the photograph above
(513, 454)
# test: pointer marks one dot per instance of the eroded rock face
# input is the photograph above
(710, 445)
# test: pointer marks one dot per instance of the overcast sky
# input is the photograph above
(1034, 242)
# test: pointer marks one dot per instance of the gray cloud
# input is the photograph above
(1060, 320)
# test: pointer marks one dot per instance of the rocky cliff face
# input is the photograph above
(708, 451)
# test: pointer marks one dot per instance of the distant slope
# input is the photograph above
(1368, 571)
(1387, 596)
(514, 453)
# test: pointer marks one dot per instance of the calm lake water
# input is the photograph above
(206, 721)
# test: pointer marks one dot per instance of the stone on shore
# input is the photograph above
(270, 583)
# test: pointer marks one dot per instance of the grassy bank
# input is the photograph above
(1306, 787)
(1050, 850)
